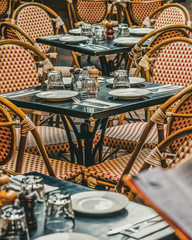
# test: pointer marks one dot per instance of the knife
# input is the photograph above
(129, 225)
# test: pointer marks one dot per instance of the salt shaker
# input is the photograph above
(94, 73)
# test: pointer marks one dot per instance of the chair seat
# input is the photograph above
(111, 171)
(54, 139)
(65, 71)
(126, 136)
(63, 170)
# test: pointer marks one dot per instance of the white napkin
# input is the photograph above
(147, 231)
(165, 88)
(99, 103)
(15, 184)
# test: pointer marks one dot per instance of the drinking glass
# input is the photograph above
(36, 184)
(59, 213)
(121, 79)
(76, 79)
(86, 30)
(99, 35)
(13, 223)
(123, 30)
(55, 81)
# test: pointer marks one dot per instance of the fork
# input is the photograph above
(76, 100)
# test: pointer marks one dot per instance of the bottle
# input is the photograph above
(110, 31)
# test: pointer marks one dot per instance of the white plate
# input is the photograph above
(73, 39)
(126, 41)
(129, 93)
(133, 80)
(140, 31)
(75, 31)
(66, 81)
(57, 95)
(67, 236)
(98, 202)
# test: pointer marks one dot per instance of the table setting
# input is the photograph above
(83, 213)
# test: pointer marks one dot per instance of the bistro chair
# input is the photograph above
(21, 162)
(38, 20)
(172, 13)
(137, 10)
(18, 71)
(87, 11)
(182, 155)
(5, 9)
(176, 52)
(109, 173)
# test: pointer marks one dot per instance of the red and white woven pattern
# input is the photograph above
(126, 136)
(49, 135)
(111, 170)
(4, 5)
(17, 69)
(184, 151)
(141, 11)
(171, 15)
(91, 11)
(65, 71)
(174, 65)
(31, 162)
(36, 23)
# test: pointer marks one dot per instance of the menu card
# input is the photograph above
(169, 192)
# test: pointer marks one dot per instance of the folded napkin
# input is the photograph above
(98, 104)
(149, 232)
(15, 183)
(165, 88)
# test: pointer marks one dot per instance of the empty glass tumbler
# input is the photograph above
(123, 30)
(13, 223)
(55, 81)
(121, 79)
(59, 213)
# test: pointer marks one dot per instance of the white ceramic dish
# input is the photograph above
(67, 236)
(126, 41)
(75, 31)
(133, 80)
(57, 95)
(73, 39)
(140, 31)
(129, 93)
(98, 202)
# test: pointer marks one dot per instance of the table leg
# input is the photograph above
(87, 155)
(104, 66)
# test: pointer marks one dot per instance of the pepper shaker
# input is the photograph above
(28, 200)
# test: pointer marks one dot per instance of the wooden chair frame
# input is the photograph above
(155, 33)
(51, 13)
(163, 108)
(81, 19)
(165, 6)
(129, 14)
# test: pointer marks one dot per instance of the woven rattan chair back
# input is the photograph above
(90, 11)
(173, 64)
(35, 21)
(5, 8)
(172, 13)
(140, 9)
(176, 123)
(7, 137)
(18, 69)
(158, 36)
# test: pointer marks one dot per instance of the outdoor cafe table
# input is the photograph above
(98, 226)
(86, 156)
(106, 48)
